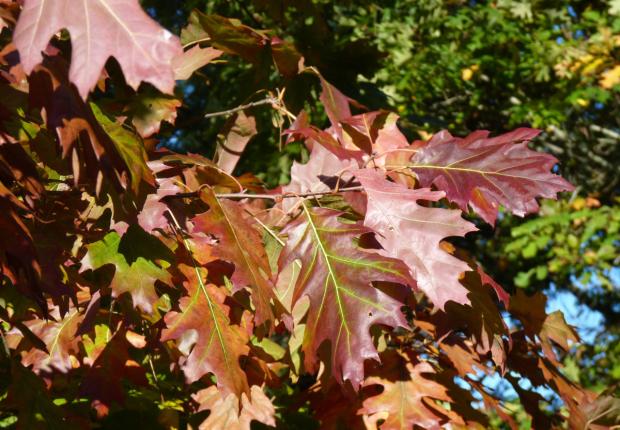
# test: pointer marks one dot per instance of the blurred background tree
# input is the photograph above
(461, 65)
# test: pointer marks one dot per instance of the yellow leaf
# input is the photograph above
(582, 102)
(467, 74)
(610, 77)
(591, 67)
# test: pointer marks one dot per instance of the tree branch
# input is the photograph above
(268, 100)
(273, 197)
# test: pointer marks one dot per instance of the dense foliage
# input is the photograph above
(141, 286)
(462, 65)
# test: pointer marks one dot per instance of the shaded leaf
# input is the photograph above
(36, 410)
(374, 133)
(60, 340)
(407, 395)
(136, 276)
(119, 156)
(240, 244)
(129, 146)
(149, 109)
(322, 171)
(108, 354)
(203, 324)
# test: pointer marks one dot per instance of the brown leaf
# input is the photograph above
(203, 324)
(240, 244)
(407, 395)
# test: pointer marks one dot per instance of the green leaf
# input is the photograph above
(129, 147)
(135, 275)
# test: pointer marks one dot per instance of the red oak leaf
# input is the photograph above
(337, 277)
(407, 395)
(99, 29)
(374, 133)
(203, 322)
(312, 176)
(136, 276)
(226, 413)
(59, 338)
(240, 244)
(485, 173)
(413, 233)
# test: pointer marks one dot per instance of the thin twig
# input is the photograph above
(268, 100)
(274, 197)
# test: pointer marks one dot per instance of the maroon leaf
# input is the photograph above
(485, 173)
(240, 244)
(337, 277)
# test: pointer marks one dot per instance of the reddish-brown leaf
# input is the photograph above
(485, 173)
(375, 133)
(203, 324)
(337, 277)
(407, 396)
(240, 244)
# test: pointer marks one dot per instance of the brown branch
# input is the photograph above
(268, 100)
(274, 197)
